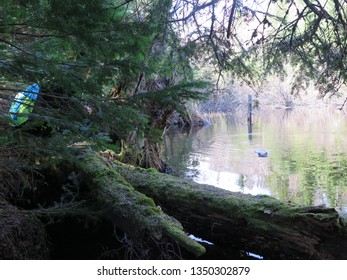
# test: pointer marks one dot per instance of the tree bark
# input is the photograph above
(258, 224)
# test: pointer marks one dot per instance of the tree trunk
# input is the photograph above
(258, 224)
(135, 213)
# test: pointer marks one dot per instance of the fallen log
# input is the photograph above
(260, 224)
(133, 212)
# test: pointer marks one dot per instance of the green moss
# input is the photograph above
(142, 214)
(182, 238)
(152, 170)
(143, 199)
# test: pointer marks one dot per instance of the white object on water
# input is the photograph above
(198, 239)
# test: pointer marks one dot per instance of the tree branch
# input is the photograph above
(231, 18)
(195, 10)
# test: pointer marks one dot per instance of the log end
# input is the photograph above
(183, 239)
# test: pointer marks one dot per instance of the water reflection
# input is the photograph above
(306, 161)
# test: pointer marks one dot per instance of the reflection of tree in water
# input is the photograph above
(311, 178)
(242, 182)
(193, 166)
(251, 182)
(336, 180)
(178, 145)
(182, 143)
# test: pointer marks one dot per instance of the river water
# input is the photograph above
(306, 161)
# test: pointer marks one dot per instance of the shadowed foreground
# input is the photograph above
(100, 208)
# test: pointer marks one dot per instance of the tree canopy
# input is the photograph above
(254, 38)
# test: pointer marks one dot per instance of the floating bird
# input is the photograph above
(261, 153)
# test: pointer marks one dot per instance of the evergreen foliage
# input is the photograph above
(78, 52)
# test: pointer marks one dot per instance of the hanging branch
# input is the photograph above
(231, 18)
(343, 105)
(195, 10)
(138, 83)
(123, 4)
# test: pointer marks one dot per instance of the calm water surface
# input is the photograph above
(306, 162)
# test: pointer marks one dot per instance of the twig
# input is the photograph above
(343, 104)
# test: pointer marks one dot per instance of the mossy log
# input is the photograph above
(258, 224)
(133, 212)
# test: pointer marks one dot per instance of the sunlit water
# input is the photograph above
(306, 162)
